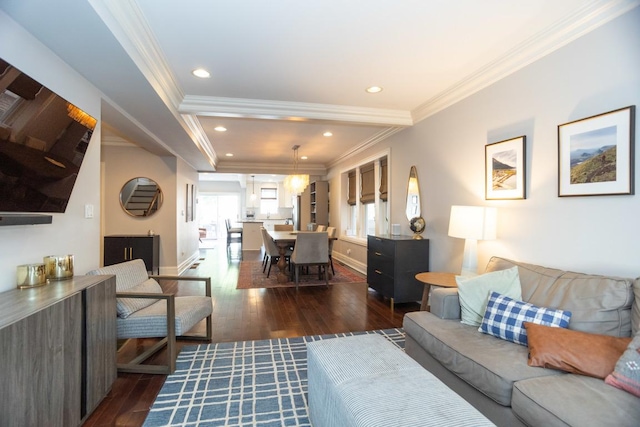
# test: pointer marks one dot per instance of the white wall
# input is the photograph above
(122, 163)
(70, 232)
(186, 232)
(595, 74)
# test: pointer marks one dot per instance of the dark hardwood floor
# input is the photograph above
(250, 314)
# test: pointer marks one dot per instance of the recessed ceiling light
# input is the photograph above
(220, 129)
(374, 89)
(201, 72)
(229, 154)
(327, 134)
(303, 158)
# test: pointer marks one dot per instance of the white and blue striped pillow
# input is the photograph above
(505, 317)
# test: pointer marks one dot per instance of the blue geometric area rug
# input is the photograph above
(249, 383)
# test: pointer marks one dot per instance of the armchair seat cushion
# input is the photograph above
(151, 321)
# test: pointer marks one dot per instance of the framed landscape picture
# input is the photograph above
(595, 155)
(505, 175)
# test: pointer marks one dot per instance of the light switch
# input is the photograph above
(88, 211)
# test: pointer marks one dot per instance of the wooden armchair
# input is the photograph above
(144, 311)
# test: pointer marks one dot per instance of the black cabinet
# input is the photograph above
(392, 264)
(125, 248)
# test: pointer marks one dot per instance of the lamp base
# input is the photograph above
(470, 258)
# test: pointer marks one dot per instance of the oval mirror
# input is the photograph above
(413, 195)
(141, 197)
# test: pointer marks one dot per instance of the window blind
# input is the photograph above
(367, 179)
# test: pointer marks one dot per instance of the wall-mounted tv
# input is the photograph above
(43, 140)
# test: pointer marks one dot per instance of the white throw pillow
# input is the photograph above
(127, 306)
(474, 292)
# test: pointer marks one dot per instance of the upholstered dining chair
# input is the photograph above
(271, 251)
(311, 249)
(144, 311)
(321, 228)
(282, 227)
(331, 231)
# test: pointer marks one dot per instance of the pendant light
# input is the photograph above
(296, 183)
(253, 194)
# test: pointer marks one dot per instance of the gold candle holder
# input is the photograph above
(59, 267)
(31, 276)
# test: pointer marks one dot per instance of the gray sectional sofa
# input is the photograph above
(493, 374)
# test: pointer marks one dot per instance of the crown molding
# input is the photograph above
(270, 168)
(585, 19)
(380, 136)
(298, 111)
(126, 22)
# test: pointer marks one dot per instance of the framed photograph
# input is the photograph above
(595, 155)
(189, 205)
(194, 202)
(505, 173)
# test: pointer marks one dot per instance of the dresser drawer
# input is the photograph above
(381, 282)
(381, 262)
(380, 246)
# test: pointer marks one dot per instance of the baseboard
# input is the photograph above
(184, 266)
(348, 261)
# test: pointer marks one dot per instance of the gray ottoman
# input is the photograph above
(365, 380)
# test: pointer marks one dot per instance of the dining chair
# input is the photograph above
(283, 227)
(272, 251)
(311, 249)
(321, 228)
(331, 231)
(234, 234)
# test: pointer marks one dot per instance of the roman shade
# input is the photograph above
(383, 179)
(367, 180)
(351, 194)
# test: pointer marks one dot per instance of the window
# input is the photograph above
(268, 201)
(366, 208)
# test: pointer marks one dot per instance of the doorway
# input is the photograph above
(213, 209)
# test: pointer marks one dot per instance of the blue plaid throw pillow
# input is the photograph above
(504, 318)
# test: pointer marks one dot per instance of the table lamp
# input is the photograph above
(472, 223)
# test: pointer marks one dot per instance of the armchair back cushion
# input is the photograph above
(132, 277)
(599, 304)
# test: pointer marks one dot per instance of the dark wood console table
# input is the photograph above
(57, 351)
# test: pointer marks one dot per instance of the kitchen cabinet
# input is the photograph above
(121, 248)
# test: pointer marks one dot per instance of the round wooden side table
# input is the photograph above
(444, 280)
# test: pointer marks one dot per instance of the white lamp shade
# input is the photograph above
(473, 222)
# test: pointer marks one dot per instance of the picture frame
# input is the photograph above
(194, 202)
(189, 205)
(596, 155)
(505, 169)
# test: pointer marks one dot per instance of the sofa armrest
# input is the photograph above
(445, 303)
(206, 280)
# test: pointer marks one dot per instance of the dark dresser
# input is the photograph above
(121, 248)
(393, 262)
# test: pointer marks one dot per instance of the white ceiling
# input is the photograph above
(285, 71)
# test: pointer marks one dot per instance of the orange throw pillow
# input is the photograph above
(573, 351)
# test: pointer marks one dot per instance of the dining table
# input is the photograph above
(285, 240)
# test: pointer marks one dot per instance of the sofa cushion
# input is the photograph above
(505, 317)
(474, 292)
(127, 306)
(574, 351)
(599, 304)
(543, 402)
(487, 363)
(626, 375)
(635, 310)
